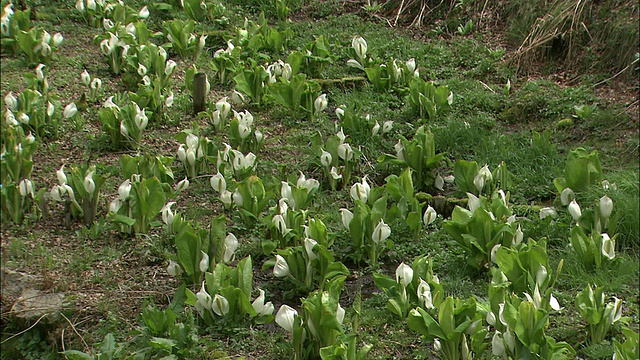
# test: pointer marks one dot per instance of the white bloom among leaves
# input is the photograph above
(286, 317)
(606, 206)
(439, 182)
(259, 305)
(548, 212)
(404, 274)
(26, 188)
(399, 150)
(491, 318)
(608, 246)
(387, 126)
(182, 185)
(497, 344)
(173, 269)
(85, 77)
(574, 210)
(483, 176)
(345, 152)
(375, 129)
(168, 101)
(424, 294)
(334, 173)
(325, 159)
(474, 202)
(360, 191)
(226, 198)
(40, 72)
(359, 45)
(96, 84)
(429, 215)
(567, 196)
(347, 216)
(220, 305)
(169, 67)
(494, 251)
(89, 184)
(287, 193)
(308, 184)
(518, 236)
(541, 275)
(320, 104)
(70, 110)
(340, 312)
(203, 298)
(237, 198)
(281, 268)
(144, 13)
(230, 246)
(613, 311)
(280, 224)
(10, 101)
(204, 262)
(218, 183)
(167, 214)
(62, 177)
(309, 244)
(381, 232)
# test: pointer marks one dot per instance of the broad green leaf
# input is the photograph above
(121, 219)
(420, 321)
(162, 343)
(446, 316)
(245, 275)
(188, 246)
(76, 355)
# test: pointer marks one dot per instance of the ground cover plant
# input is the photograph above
(353, 189)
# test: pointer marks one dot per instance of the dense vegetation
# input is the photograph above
(366, 181)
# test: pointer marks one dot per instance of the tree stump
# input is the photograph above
(199, 92)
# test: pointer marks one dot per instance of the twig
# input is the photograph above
(484, 7)
(383, 18)
(587, 30)
(487, 86)
(341, 80)
(616, 75)
(399, 12)
(25, 330)
(417, 21)
(86, 346)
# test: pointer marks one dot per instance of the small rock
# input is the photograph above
(13, 284)
(33, 304)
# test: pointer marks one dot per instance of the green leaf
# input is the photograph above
(108, 344)
(188, 245)
(582, 169)
(384, 282)
(162, 343)
(157, 198)
(245, 275)
(394, 306)
(420, 321)
(465, 172)
(76, 355)
(121, 219)
(445, 316)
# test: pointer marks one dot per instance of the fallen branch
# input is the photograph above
(617, 74)
(341, 80)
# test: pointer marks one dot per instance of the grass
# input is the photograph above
(111, 277)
